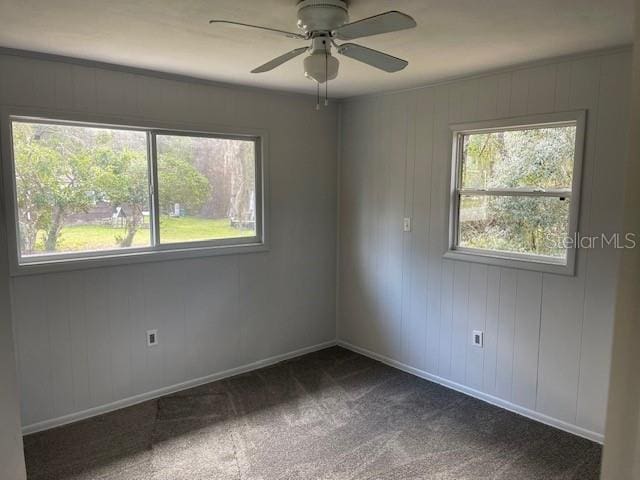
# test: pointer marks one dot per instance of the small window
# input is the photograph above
(83, 191)
(515, 192)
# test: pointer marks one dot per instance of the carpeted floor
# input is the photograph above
(328, 415)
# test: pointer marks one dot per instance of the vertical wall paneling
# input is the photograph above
(611, 150)
(488, 100)
(460, 321)
(57, 306)
(526, 339)
(506, 332)
(446, 319)
(120, 327)
(96, 285)
(563, 305)
(419, 258)
(140, 381)
(546, 337)
(30, 325)
(435, 216)
(541, 94)
(492, 315)
(413, 274)
(79, 345)
(81, 335)
(477, 314)
(504, 95)
(519, 92)
(563, 86)
(396, 164)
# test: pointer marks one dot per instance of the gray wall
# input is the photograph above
(11, 456)
(547, 337)
(80, 335)
(622, 447)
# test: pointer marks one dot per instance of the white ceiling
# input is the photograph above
(453, 38)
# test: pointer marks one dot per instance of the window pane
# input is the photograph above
(527, 158)
(207, 188)
(531, 225)
(80, 188)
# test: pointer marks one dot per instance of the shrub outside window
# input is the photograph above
(515, 191)
(84, 191)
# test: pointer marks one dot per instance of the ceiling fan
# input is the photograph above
(322, 22)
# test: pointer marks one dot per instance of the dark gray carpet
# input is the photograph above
(328, 415)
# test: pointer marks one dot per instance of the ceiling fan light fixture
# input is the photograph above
(321, 67)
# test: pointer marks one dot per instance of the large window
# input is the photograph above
(85, 190)
(515, 192)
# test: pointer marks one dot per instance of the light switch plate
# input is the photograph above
(407, 224)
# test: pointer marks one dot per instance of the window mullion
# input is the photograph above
(153, 176)
(514, 193)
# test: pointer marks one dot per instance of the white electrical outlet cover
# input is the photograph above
(152, 338)
(477, 338)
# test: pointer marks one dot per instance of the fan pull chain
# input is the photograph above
(318, 96)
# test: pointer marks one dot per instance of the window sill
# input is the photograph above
(495, 259)
(111, 259)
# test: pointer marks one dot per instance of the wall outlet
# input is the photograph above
(407, 224)
(477, 338)
(152, 338)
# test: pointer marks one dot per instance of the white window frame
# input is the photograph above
(157, 251)
(511, 259)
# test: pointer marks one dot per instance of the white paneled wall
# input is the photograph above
(11, 453)
(81, 335)
(547, 337)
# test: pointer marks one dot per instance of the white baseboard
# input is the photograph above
(127, 402)
(553, 422)
(143, 397)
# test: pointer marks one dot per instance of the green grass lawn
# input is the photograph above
(172, 230)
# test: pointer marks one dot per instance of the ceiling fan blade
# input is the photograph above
(385, 22)
(273, 30)
(276, 62)
(372, 57)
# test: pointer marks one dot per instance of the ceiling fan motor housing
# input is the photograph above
(322, 15)
(320, 65)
